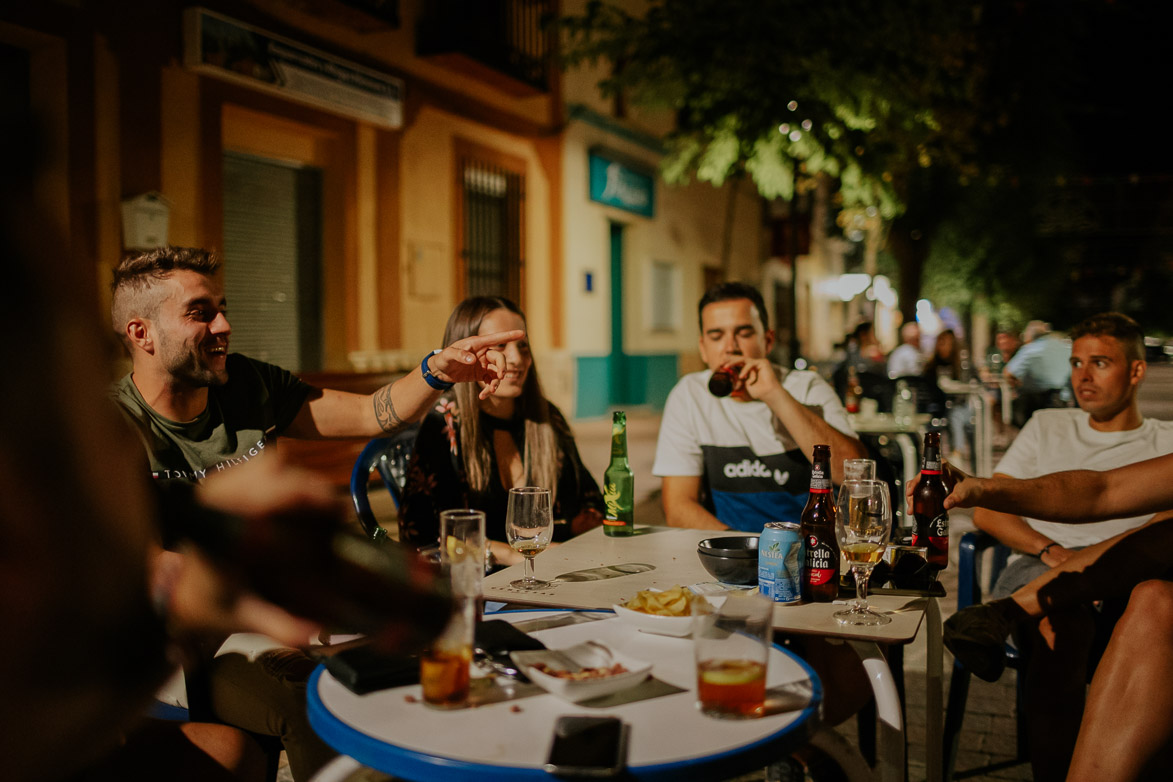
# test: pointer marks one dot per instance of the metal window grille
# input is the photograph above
(491, 247)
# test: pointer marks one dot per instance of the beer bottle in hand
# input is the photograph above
(928, 505)
(820, 577)
(618, 483)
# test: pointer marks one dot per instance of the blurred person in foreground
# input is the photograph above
(1039, 371)
(1126, 732)
(472, 448)
(1107, 431)
(744, 460)
(90, 601)
(201, 411)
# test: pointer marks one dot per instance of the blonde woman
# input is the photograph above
(471, 451)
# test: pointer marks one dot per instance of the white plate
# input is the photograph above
(591, 654)
(678, 626)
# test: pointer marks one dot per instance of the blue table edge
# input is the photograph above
(415, 765)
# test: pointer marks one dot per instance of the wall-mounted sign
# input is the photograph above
(237, 52)
(616, 184)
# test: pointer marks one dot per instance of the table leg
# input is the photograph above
(934, 655)
(890, 742)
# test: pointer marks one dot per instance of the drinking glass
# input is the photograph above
(732, 643)
(462, 550)
(529, 524)
(859, 469)
(863, 522)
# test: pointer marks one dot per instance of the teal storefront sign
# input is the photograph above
(618, 185)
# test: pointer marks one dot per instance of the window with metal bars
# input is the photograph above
(492, 202)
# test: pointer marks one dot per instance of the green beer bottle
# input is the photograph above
(618, 483)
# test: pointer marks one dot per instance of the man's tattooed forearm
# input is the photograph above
(388, 419)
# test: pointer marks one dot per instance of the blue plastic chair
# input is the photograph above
(974, 546)
(387, 456)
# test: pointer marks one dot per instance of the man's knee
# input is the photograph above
(1150, 605)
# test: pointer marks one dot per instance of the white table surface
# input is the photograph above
(392, 730)
(672, 554)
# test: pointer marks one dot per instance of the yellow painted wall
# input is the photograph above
(427, 280)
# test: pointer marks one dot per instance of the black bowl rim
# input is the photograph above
(709, 547)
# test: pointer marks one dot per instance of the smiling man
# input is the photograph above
(744, 460)
(1107, 431)
(201, 411)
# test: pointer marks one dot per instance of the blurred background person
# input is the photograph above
(906, 359)
(1040, 371)
(946, 373)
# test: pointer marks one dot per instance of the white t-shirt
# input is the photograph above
(905, 360)
(1062, 439)
(754, 470)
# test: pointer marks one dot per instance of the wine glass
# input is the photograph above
(529, 524)
(863, 522)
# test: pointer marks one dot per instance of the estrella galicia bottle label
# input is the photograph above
(821, 563)
(820, 479)
(936, 534)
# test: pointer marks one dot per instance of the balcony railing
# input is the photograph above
(509, 37)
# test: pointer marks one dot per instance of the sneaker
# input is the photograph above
(976, 636)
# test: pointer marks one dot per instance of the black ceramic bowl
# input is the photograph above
(732, 560)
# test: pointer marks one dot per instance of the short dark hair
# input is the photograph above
(728, 291)
(137, 273)
(1117, 325)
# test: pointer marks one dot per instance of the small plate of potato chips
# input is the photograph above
(664, 612)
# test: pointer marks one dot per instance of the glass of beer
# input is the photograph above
(529, 525)
(732, 644)
(863, 522)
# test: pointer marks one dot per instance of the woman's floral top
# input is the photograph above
(436, 480)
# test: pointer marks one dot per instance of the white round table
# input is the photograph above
(393, 731)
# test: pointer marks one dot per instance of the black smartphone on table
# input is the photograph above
(588, 747)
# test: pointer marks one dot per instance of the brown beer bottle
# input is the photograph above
(820, 576)
(928, 505)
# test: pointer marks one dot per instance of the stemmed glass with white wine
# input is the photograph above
(529, 525)
(863, 522)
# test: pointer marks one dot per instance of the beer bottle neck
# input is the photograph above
(932, 461)
(619, 449)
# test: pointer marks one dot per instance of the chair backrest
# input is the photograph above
(973, 547)
(387, 456)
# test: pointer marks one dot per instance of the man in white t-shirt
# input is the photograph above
(743, 460)
(907, 359)
(1107, 431)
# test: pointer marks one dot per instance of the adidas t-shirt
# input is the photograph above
(753, 471)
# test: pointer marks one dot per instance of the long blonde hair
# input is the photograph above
(541, 458)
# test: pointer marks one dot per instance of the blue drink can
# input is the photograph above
(780, 562)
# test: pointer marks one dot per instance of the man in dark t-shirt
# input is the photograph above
(201, 411)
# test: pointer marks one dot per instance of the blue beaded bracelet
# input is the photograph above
(431, 379)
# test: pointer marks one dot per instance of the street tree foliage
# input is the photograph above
(906, 104)
(861, 91)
